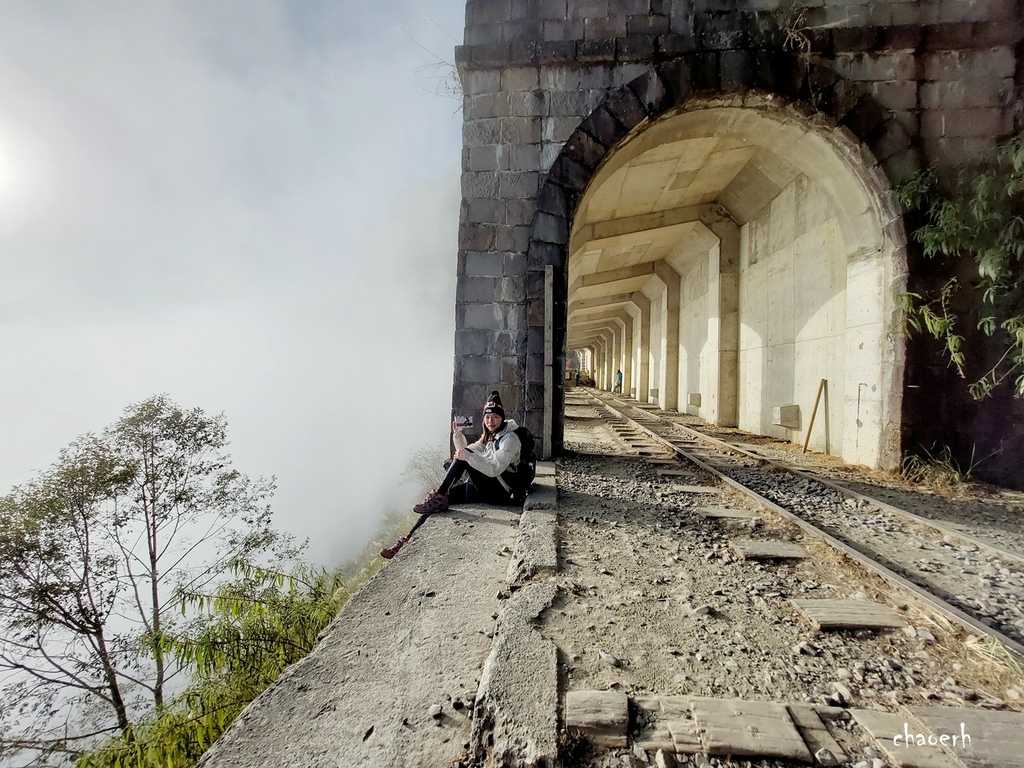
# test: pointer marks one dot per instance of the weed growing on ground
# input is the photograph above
(987, 665)
(575, 750)
(938, 471)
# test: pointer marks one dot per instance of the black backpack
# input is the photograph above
(520, 476)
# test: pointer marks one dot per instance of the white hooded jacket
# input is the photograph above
(496, 456)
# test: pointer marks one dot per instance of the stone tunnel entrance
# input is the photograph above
(727, 259)
(699, 194)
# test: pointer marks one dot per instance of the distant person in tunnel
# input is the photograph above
(494, 470)
(618, 382)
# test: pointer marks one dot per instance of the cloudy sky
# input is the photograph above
(250, 205)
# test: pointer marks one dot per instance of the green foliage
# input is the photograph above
(936, 318)
(247, 632)
(978, 213)
(90, 554)
(113, 568)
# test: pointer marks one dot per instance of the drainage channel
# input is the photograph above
(932, 562)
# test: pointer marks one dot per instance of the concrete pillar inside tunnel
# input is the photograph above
(591, 360)
(609, 360)
(616, 361)
(602, 356)
(627, 350)
(715, 218)
(617, 329)
(644, 384)
(602, 346)
(609, 351)
(670, 335)
(609, 357)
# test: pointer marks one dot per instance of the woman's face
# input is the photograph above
(492, 421)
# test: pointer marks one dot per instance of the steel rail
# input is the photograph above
(994, 549)
(937, 603)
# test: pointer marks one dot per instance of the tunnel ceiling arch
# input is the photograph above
(665, 244)
(738, 158)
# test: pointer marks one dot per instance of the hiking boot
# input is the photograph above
(391, 551)
(435, 502)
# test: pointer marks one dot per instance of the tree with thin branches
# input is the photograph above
(94, 554)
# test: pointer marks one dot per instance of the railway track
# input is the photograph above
(972, 582)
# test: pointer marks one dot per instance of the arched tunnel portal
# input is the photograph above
(698, 195)
(729, 256)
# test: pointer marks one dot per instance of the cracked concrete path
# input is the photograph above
(414, 636)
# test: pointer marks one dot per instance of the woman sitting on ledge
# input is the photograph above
(480, 473)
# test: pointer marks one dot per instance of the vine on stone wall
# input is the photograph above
(791, 19)
(974, 211)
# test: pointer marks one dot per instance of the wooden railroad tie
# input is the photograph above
(815, 734)
(791, 731)
(684, 473)
(764, 549)
(848, 614)
(994, 734)
(600, 716)
(748, 728)
(727, 513)
(697, 489)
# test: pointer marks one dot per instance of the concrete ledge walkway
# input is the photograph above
(516, 718)
(418, 635)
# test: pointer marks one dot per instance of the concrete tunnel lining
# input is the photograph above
(650, 201)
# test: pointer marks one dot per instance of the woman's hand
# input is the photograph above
(458, 438)
(462, 454)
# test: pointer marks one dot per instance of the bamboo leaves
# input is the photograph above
(91, 554)
(242, 636)
(975, 212)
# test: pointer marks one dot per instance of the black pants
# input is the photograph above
(476, 487)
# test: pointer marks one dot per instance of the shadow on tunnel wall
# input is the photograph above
(938, 410)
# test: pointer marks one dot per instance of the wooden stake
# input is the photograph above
(817, 400)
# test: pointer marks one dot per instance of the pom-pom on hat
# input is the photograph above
(494, 405)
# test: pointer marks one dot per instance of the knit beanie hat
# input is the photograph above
(494, 405)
